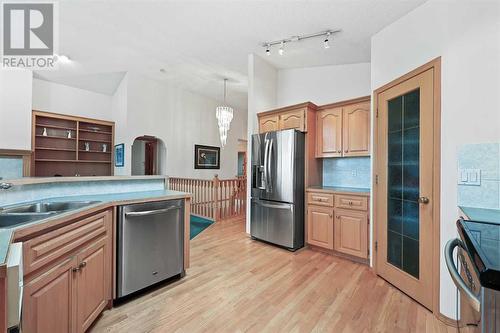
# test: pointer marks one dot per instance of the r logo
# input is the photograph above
(28, 29)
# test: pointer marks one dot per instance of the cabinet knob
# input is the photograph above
(82, 264)
(76, 269)
(330, 215)
(346, 151)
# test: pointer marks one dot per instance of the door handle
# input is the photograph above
(423, 200)
(287, 207)
(265, 163)
(151, 212)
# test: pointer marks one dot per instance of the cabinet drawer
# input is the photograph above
(321, 199)
(44, 249)
(351, 202)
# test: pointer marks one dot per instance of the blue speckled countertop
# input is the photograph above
(105, 200)
(482, 214)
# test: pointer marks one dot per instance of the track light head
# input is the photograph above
(326, 43)
(268, 51)
(281, 50)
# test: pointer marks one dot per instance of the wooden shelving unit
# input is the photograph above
(60, 142)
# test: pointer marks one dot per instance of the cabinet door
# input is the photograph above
(268, 123)
(93, 283)
(351, 233)
(48, 300)
(329, 133)
(357, 129)
(293, 119)
(320, 226)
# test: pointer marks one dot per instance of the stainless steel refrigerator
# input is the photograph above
(277, 204)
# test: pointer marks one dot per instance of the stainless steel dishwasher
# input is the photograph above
(150, 244)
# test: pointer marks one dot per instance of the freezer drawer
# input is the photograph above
(150, 244)
(276, 223)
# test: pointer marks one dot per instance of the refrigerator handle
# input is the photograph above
(265, 163)
(269, 161)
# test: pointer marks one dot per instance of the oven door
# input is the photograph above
(469, 286)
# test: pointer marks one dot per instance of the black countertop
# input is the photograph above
(482, 240)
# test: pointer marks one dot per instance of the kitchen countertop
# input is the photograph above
(105, 201)
(45, 180)
(342, 190)
(482, 214)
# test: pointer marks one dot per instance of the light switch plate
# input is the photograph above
(470, 177)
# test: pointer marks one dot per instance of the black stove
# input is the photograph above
(482, 243)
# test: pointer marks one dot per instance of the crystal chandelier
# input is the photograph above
(224, 116)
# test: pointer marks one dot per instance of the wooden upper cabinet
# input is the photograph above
(298, 117)
(268, 123)
(329, 133)
(293, 119)
(356, 128)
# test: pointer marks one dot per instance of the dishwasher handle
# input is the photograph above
(151, 212)
(455, 275)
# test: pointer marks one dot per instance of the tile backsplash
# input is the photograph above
(11, 167)
(486, 158)
(347, 172)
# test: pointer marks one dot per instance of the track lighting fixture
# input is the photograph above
(326, 42)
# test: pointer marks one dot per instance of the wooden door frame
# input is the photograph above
(436, 246)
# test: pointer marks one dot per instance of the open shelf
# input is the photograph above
(57, 155)
(92, 131)
(54, 149)
(54, 137)
(56, 127)
(94, 151)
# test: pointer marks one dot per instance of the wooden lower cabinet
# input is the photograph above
(351, 233)
(93, 287)
(68, 294)
(320, 226)
(48, 301)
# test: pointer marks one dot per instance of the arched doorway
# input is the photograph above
(148, 156)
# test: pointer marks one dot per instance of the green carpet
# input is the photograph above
(197, 225)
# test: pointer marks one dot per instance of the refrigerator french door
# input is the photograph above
(277, 204)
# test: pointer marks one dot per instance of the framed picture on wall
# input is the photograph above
(120, 155)
(206, 157)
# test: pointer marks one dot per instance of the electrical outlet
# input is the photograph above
(470, 177)
(354, 173)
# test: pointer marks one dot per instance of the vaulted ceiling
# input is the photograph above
(199, 42)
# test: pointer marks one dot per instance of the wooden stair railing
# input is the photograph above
(216, 199)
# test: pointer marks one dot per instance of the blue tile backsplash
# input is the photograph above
(11, 167)
(347, 172)
(486, 157)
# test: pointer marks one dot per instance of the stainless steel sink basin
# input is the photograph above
(47, 207)
(17, 215)
(12, 220)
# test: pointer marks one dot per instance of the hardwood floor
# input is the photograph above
(239, 285)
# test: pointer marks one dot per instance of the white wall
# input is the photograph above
(119, 115)
(15, 109)
(466, 35)
(59, 98)
(180, 119)
(262, 91)
(323, 84)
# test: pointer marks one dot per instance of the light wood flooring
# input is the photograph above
(239, 285)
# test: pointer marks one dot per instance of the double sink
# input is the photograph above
(25, 213)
